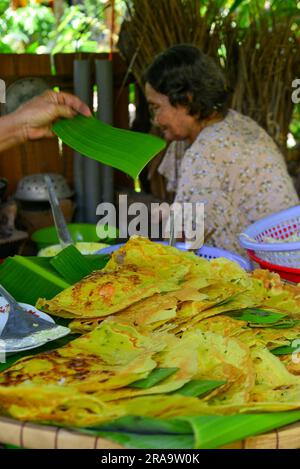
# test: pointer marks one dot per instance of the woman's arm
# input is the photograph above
(34, 119)
(10, 133)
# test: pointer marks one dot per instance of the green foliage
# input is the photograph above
(25, 29)
(4, 4)
(295, 123)
(244, 11)
(82, 28)
(77, 32)
(34, 29)
(95, 8)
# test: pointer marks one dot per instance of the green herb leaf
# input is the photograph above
(286, 324)
(197, 388)
(285, 350)
(257, 316)
(157, 375)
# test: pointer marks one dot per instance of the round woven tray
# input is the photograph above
(32, 436)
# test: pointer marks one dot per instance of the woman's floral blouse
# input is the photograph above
(236, 170)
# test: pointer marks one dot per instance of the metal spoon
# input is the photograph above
(63, 233)
(172, 239)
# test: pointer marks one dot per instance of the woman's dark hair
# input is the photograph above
(189, 78)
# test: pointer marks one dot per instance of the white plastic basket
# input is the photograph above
(279, 226)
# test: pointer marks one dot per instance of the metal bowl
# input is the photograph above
(33, 188)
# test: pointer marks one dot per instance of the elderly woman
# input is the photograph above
(217, 156)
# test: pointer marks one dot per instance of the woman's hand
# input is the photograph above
(35, 118)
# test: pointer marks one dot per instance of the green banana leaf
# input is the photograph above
(29, 278)
(146, 433)
(122, 149)
(207, 432)
(216, 431)
(144, 425)
(71, 264)
(139, 441)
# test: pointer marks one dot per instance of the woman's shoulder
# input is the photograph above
(236, 130)
(245, 127)
(237, 122)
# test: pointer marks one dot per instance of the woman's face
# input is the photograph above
(174, 121)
